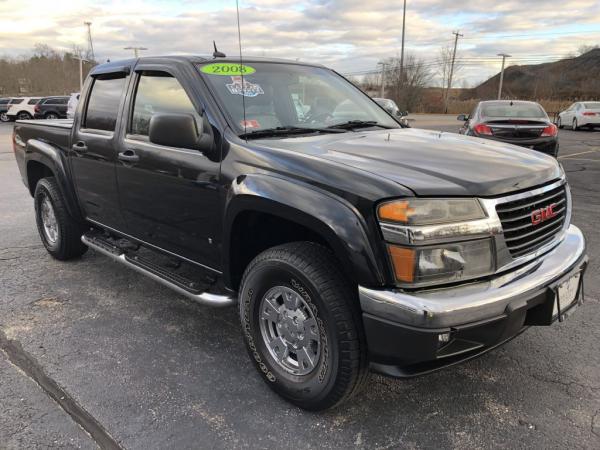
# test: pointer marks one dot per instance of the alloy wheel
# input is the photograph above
(290, 331)
(49, 222)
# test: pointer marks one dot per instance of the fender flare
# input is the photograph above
(52, 157)
(336, 220)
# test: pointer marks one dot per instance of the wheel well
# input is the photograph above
(35, 172)
(254, 232)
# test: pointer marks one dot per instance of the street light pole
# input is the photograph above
(81, 60)
(136, 50)
(504, 56)
(382, 92)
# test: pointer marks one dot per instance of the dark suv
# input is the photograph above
(516, 122)
(51, 108)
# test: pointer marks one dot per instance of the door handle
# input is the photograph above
(129, 156)
(80, 147)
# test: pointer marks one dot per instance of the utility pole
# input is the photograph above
(456, 36)
(504, 56)
(81, 61)
(136, 50)
(382, 93)
(402, 47)
(90, 44)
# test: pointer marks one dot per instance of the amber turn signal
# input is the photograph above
(403, 260)
(398, 211)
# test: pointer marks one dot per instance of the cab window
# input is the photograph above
(103, 103)
(158, 92)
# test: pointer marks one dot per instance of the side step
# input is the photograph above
(146, 267)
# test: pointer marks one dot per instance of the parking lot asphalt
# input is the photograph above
(152, 370)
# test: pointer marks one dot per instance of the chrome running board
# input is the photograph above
(205, 298)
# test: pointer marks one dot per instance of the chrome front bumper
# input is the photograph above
(474, 302)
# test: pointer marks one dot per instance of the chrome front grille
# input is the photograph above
(521, 235)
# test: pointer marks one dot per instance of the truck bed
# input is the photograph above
(56, 131)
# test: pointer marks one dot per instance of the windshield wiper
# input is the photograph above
(286, 131)
(357, 124)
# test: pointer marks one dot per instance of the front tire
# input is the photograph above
(51, 116)
(4, 117)
(60, 233)
(302, 327)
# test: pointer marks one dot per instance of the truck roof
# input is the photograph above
(195, 59)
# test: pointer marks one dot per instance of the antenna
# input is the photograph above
(217, 53)
(237, 7)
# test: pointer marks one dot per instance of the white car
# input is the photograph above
(72, 105)
(23, 110)
(580, 114)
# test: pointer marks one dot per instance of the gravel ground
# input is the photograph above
(149, 369)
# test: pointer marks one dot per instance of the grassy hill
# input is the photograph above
(567, 79)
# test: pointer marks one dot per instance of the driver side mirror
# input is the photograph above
(175, 130)
(463, 117)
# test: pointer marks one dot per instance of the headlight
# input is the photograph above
(436, 241)
(423, 211)
(420, 266)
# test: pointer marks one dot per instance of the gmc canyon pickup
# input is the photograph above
(347, 241)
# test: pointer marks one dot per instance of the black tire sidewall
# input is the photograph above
(41, 193)
(315, 385)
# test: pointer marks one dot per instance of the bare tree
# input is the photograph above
(45, 72)
(406, 88)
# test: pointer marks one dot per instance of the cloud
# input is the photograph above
(348, 35)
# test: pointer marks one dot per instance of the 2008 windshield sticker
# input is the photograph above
(247, 89)
(227, 69)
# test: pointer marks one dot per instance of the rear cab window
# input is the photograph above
(103, 103)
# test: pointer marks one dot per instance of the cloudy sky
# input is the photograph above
(350, 36)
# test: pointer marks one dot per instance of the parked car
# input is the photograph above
(5, 105)
(579, 115)
(24, 109)
(390, 106)
(51, 108)
(72, 105)
(346, 241)
(513, 121)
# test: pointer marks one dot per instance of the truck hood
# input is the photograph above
(431, 162)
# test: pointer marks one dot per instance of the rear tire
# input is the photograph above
(24, 115)
(302, 326)
(574, 126)
(59, 232)
(559, 124)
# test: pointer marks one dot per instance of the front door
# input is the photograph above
(169, 196)
(93, 154)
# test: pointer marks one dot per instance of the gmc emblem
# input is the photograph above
(541, 215)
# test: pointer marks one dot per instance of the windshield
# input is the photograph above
(289, 95)
(513, 109)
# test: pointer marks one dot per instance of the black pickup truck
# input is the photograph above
(347, 241)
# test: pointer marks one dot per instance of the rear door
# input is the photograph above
(93, 154)
(169, 196)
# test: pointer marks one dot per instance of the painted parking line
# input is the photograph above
(580, 153)
(585, 159)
